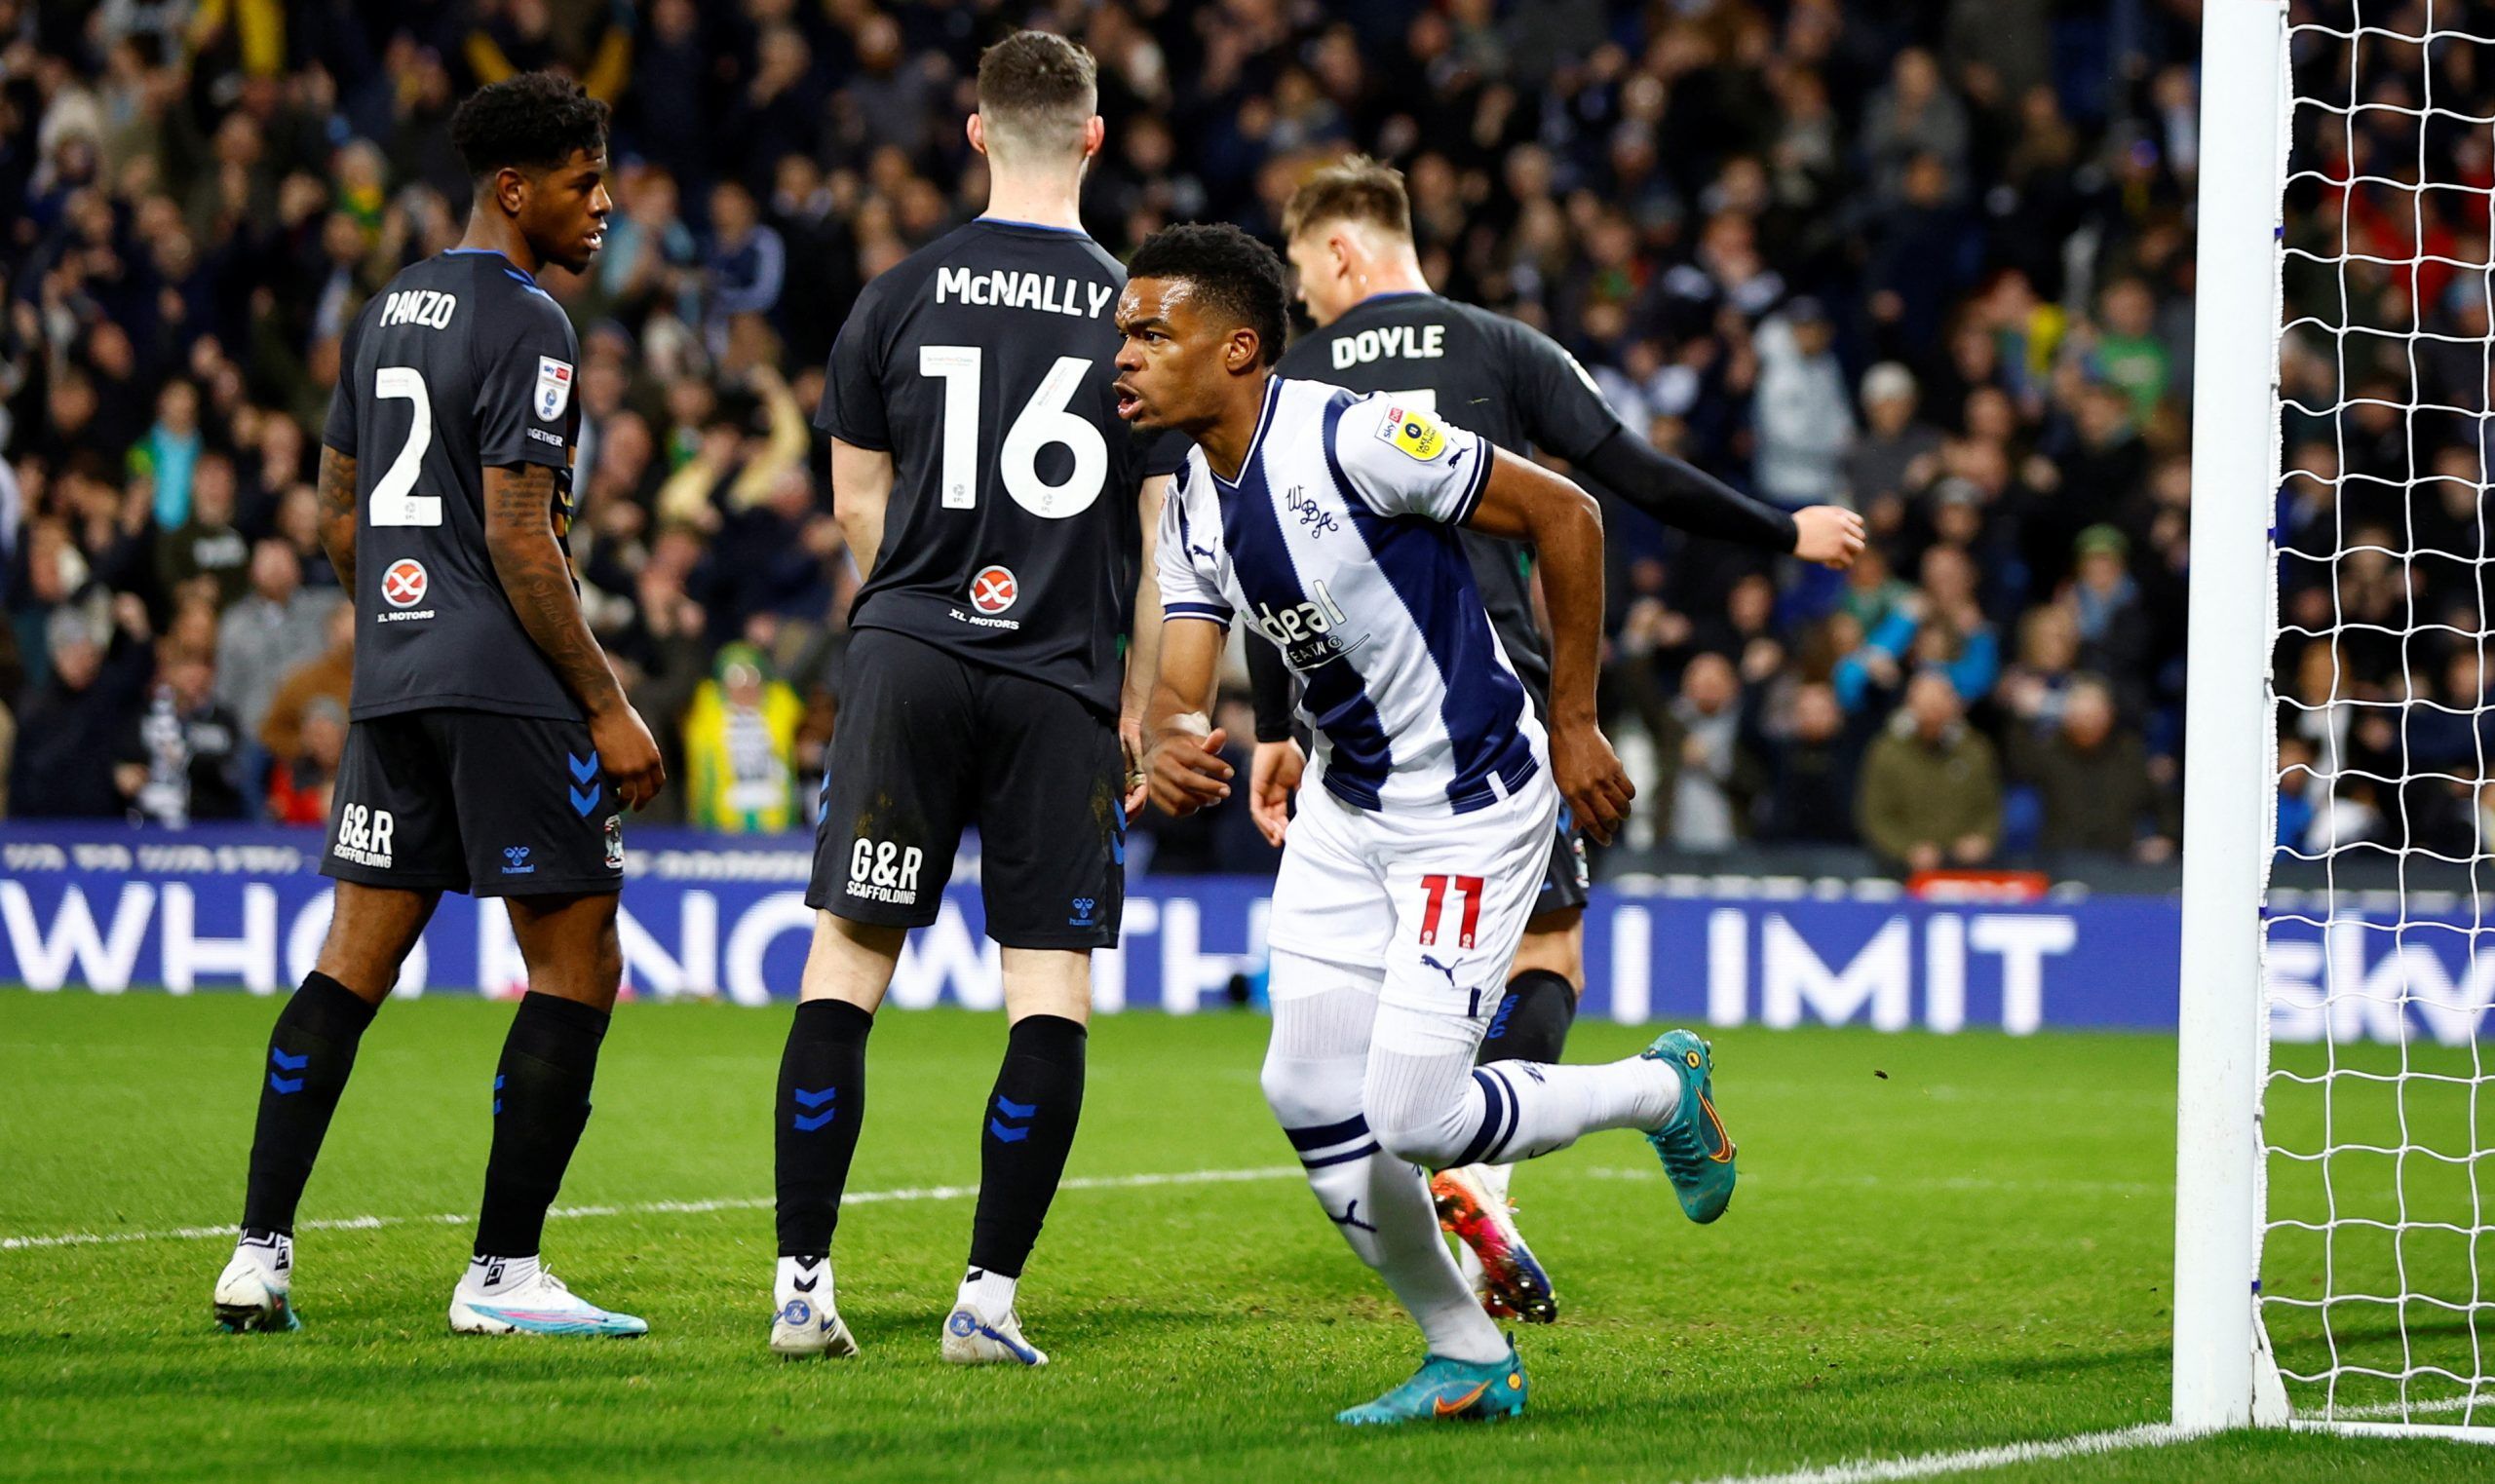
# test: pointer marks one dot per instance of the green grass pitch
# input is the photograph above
(1969, 1250)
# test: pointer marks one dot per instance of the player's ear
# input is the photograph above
(1245, 351)
(510, 190)
(1095, 132)
(977, 130)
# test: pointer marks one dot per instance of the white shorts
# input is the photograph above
(1438, 902)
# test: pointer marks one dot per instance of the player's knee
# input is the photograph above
(1430, 1133)
(1307, 1094)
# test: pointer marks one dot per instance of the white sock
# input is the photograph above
(989, 1293)
(271, 1252)
(1494, 1179)
(1429, 1103)
(1313, 1078)
(500, 1274)
(1407, 1251)
(798, 1278)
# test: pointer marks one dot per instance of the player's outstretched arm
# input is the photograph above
(1143, 647)
(1183, 766)
(862, 485)
(1682, 495)
(537, 578)
(337, 514)
(1523, 501)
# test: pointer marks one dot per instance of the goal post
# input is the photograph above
(2334, 1224)
(2227, 765)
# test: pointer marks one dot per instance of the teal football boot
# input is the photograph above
(1696, 1150)
(1443, 1390)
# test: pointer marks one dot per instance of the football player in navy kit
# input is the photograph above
(1380, 329)
(490, 749)
(995, 503)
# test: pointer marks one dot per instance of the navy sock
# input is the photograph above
(311, 1053)
(541, 1105)
(1532, 1021)
(1027, 1131)
(823, 1100)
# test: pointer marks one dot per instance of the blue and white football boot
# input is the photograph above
(537, 1305)
(971, 1338)
(805, 1323)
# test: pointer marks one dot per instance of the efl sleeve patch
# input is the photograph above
(1413, 430)
(554, 388)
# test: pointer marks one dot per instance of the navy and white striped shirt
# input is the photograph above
(1339, 543)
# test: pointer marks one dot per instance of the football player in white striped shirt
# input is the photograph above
(1326, 521)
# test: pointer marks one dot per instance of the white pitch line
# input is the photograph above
(1931, 1465)
(653, 1207)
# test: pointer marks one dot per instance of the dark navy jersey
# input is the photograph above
(982, 362)
(460, 365)
(1490, 375)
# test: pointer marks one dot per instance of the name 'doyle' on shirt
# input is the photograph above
(1013, 289)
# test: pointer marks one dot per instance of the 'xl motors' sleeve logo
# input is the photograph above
(403, 585)
(554, 388)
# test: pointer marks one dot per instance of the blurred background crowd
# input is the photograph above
(1932, 260)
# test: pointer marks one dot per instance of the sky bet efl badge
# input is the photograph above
(1414, 431)
(554, 388)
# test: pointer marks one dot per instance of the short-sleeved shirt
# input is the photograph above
(1339, 543)
(1499, 378)
(984, 364)
(460, 365)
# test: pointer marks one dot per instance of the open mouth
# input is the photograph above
(1130, 404)
(596, 238)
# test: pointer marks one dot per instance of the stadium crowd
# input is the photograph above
(1929, 260)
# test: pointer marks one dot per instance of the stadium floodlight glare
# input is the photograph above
(2334, 1244)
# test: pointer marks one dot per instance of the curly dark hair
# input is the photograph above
(534, 121)
(1235, 274)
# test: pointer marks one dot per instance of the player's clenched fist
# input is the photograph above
(1827, 534)
(628, 754)
(1186, 771)
(1591, 779)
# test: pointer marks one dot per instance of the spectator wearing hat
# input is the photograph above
(2113, 627)
(740, 747)
(1804, 418)
(1896, 454)
(69, 733)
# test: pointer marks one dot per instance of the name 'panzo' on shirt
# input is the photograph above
(1339, 543)
(460, 365)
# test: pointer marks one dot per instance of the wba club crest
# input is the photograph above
(554, 388)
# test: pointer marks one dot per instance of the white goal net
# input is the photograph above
(2376, 1237)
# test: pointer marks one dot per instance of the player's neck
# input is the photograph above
(1229, 440)
(490, 231)
(1399, 273)
(1048, 203)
